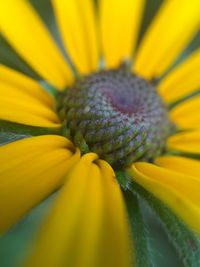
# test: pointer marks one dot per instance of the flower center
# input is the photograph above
(117, 115)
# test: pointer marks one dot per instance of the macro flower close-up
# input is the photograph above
(99, 133)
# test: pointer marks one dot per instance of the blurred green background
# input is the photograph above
(14, 244)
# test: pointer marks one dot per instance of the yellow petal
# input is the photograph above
(22, 109)
(178, 191)
(30, 170)
(22, 100)
(186, 142)
(187, 114)
(24, 30)
(182, 165)
(170, 32)
(83, 226)
(24, 84)
(182, 80)
(119, 26)
(77, 24)
(15, 93)
(116, 246)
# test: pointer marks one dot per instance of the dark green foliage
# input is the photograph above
(10, 132)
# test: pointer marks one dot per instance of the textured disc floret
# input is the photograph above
(116, 114)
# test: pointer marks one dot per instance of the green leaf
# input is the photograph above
(142, 251)
(17, 242)
(10, 132)
(185, 241)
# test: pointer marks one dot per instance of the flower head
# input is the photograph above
(116, 108)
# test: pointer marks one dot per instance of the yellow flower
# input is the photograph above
(89, 225)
